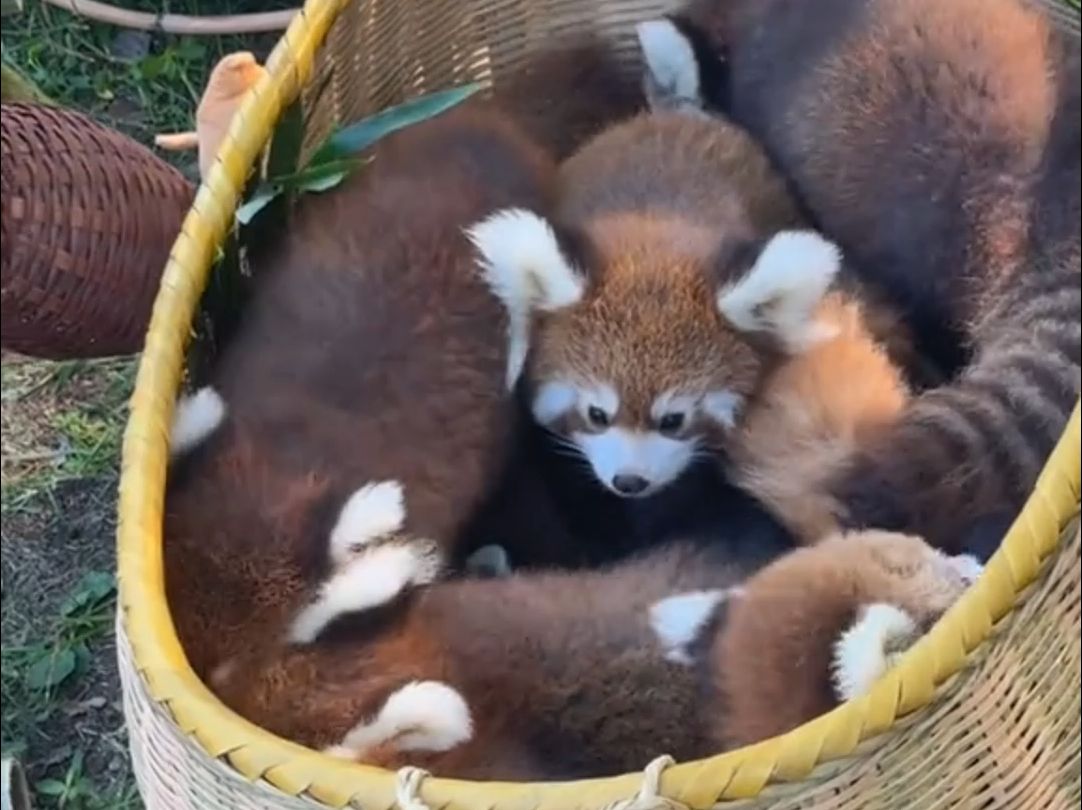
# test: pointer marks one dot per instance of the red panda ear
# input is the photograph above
(523, 261)
(780, 295)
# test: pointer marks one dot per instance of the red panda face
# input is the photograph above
(638, 355)
(641, 377)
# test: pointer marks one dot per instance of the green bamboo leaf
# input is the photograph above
(263, 195)
(325, 182)
(313, 179)
(319, 177)
(359, 136)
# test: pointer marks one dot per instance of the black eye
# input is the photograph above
(597, 417)
(670, 422)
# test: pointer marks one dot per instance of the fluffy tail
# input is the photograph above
(969, 453)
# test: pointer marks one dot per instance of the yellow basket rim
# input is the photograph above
(258, 755)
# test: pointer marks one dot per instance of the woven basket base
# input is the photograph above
(1003, 735)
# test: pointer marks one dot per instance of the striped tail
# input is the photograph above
(968, 454)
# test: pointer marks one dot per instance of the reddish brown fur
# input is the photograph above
(374, 277)
(670, 207)
(561, 671)
(772, 662)
(565, 95)
(370, 335)
(938, 143)
(813, 411)
(564, 676)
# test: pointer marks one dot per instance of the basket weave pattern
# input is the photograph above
(1014, 710)
(88, 218)
(983, 712)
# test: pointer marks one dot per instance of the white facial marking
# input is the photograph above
(723, 407)
(196, 417)
(421, 716)
(373, 511)
(523, 265)
(673, 402)
(860, 654)
(781, 292)
(552, 400)
(617, 451)
(373, 578)
(672, 71)
(678, 620)
(598, 395)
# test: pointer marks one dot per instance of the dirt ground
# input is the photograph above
(61, 712)
(62, 426)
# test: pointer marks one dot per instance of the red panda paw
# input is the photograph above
(489, 562)
(374, 561)
(196, 417)
(916, 585)
(868, 648)
(420, 717)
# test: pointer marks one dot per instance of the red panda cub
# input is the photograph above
(812, 412)
(569, 675)
(938, 143)
(360, 414)
(364, 399)
(644, 315)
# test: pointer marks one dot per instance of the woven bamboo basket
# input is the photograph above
(88, 218)
(984, 712)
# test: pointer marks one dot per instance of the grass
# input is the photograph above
(138, 82)
(62, 422)
(62, 425)
(59, 701)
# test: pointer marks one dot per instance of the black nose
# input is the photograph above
(630, 484)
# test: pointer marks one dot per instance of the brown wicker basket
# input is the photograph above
(89, 216)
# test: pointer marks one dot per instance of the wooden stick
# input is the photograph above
(253, 23)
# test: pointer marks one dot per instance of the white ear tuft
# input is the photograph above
(523, 264)
(865, 651)
(421, 716)
(783, 289)
(672, 71)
